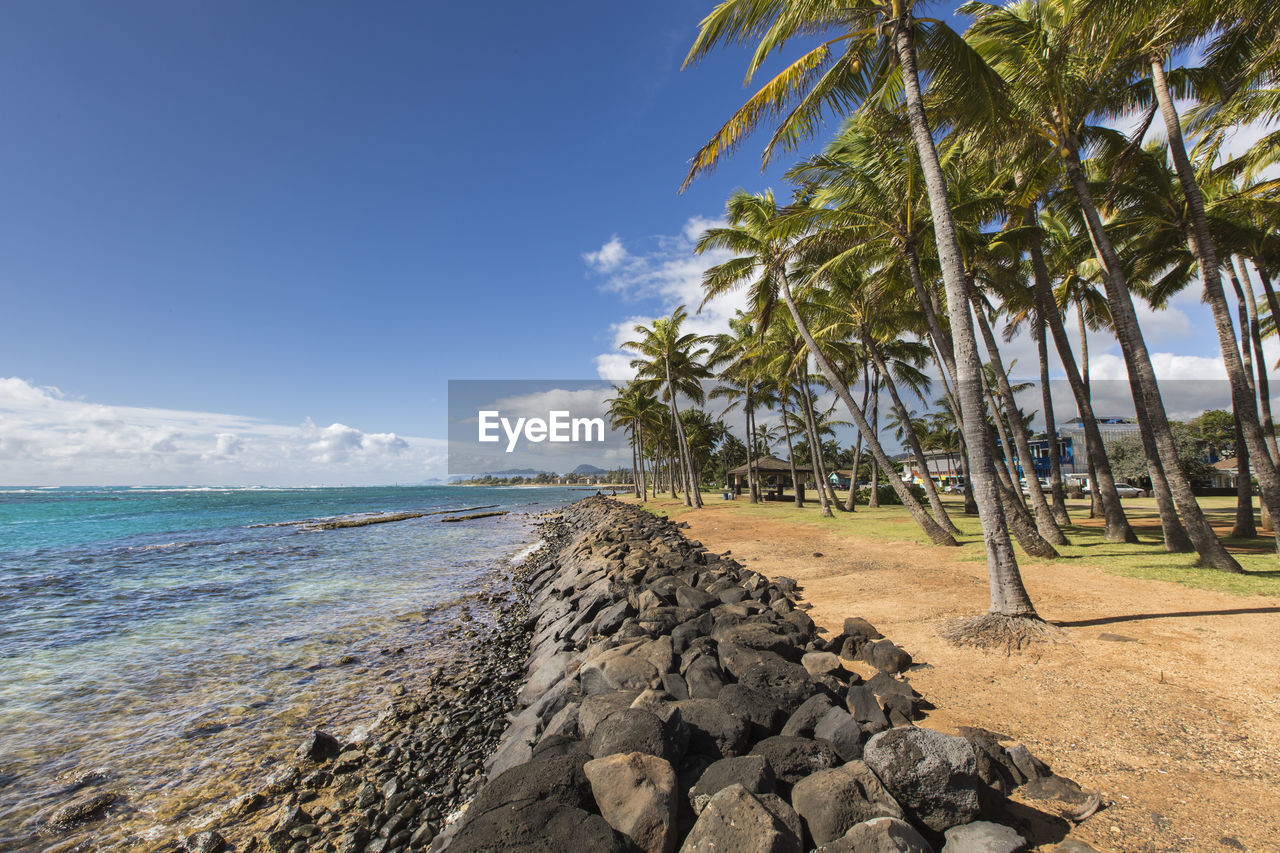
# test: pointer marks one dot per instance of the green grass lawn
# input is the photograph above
(1147, 559)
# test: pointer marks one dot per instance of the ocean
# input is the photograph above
(172, 645)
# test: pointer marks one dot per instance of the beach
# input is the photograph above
(1161, 696)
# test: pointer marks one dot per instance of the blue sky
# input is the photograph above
(288, 218)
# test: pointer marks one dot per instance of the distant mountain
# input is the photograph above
(588, 470)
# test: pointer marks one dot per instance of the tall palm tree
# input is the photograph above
(879, 40)
(1054, 80)
(670, 359)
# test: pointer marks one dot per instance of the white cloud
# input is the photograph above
(48, 439)
(668, 275)
(609, 257)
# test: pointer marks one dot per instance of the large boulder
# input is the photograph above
(819, 664)
(983, 837)
(713, 731)
(634, 730)
(933, 776)
(838, 728)
(793, 758)
(595, 709)
(617, 670)
(832, 801)
(735, 821)
(636, 794)
(788, 684)
(802, 722)
(885, 656)
(555, 778)
(761, 714)
(866, 710)
(750, 771)
(880, 835)
(543, 826)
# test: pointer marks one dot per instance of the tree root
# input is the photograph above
(994, 631)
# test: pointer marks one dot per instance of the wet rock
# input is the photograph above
(880, 835)
(319, 746)
(983, 837)
(735, 821)
(933, 776)
(80, 811)
(636, 794)
(752, 772)
(831, 802)
(208, 841)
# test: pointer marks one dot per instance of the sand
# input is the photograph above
(1163, 698)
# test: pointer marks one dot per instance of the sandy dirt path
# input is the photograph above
(1164, 698)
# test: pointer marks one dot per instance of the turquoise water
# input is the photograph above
(170, 643)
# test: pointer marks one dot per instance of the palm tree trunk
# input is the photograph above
(1008, 596)
(1050, 423)
(635, 473)
(1259, 361)
(1138, 363)
(644, 485)
(1040, 507)
(1103, 486)
(791, 453)
(930, 527)
(752, 474)
(1175, 536)
(1246, 411)
(873, 500)
(692, 497)
(815, 445)
(1244, 525)
(1015, 508)
(913, 440)
(851, 501)
(1092, 448)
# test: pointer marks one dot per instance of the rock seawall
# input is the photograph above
(675, 700)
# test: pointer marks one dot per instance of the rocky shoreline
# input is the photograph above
(637, 692)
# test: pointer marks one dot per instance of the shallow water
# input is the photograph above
(161, 641)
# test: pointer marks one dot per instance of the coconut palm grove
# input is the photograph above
(970, 184)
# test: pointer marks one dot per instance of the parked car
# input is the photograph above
(1124, 490)
(1026, 488)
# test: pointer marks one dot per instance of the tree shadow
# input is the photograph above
(1037, 826)
(1139, 617)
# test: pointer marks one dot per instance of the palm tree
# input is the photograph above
(633, 409)
(879, 42)
(736, 354)
(764, 244)
(1153, 37)
(670, 359)
(1053, 80)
